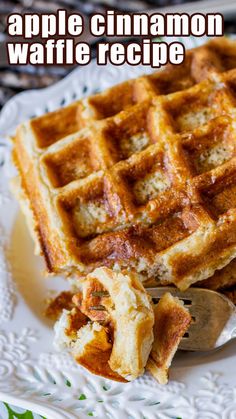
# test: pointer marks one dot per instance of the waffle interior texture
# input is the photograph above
(141, 176)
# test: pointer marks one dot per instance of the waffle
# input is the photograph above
(172, 320)
(117, 337)
(141, 176)
(221, 280)
(109, 329)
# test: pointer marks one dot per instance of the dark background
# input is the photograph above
(16, 79)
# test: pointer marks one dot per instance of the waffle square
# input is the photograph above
(141, 176)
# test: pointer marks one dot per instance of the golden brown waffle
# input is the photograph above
(223, 279)
(172, 320)
(109, 327)
(141, 176)
(117, 337)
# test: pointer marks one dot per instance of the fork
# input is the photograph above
(213, 317)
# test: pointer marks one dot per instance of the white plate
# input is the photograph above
(32, 374)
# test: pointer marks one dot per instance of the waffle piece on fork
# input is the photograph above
(117, 337)
(110, 329)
